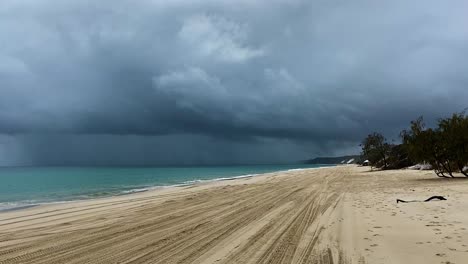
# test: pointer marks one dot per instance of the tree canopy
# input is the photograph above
(444, 147)
(375, 148)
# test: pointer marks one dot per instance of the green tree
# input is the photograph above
(376, 149)
(454, 133)
(398, 157)
(445, 147)
(423, 145)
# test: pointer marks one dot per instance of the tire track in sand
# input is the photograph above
(264, 221)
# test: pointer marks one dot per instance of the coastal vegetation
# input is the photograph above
(444, 147)
(376, 150)
(332, 160)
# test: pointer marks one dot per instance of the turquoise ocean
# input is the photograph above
(22, 187)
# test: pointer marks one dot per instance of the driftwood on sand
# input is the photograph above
(436, 197)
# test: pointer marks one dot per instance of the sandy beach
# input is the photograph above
(344, 214)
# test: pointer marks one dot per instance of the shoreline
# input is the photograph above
(342, 214)
(22, 205)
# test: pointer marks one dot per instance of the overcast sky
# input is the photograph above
(124, 82)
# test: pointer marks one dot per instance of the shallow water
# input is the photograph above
(26, 186)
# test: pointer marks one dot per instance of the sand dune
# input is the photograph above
(331, 215)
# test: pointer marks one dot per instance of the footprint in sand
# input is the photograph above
(374, 245)
(440, 254)
(448, 237)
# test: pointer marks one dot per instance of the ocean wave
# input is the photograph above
(139, 190)
(219, 179)
(11, 206)
(201, 181)
(126, 190)
(297, 169)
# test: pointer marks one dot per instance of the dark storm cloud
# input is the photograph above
(81, 81)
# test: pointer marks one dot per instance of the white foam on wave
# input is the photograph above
(217, 179)
(297, 169)
(10, 206)
(139, 190)
(245, 176)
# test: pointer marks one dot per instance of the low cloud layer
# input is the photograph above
(208, 82)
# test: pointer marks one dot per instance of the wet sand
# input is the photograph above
(342, 214)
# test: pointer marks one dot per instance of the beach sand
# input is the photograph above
(344, 214)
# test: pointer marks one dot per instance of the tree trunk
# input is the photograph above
(449, 171)
(460, 167)
(441, 170)
(384, 160)
(437, 170)
(441, 174)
